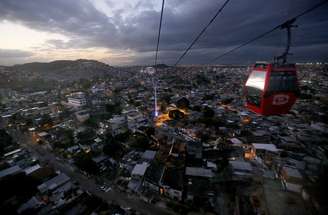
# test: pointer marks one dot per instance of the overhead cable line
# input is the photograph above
(201, 32)
(159, 34)
(270, 31)
(156, 57)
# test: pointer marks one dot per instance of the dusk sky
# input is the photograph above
(123, 32)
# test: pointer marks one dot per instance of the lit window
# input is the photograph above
(256, 80)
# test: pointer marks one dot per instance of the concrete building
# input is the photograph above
(77, 99)
(54, 183)
(139, 170)
(292, 179)
(10, 171)
(135, 119)
(199, 172)
(118, 124)
(82, 115)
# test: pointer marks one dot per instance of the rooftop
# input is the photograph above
(140, 169)
(199, 172)
(31, 169)
(264, 146)
(54, 182)
(173, 178)
(10, 171)
(292, 172)
(241, 165)
(149, 155)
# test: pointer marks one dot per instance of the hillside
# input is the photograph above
(63, 71)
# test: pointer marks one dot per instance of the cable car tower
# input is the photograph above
(272, 88)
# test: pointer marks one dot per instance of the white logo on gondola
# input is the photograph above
(280, 99)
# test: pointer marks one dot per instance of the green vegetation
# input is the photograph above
(36, 84)
(177, 207)
(183, 103)
(123, 137)
(46, 121)
(86, 137)
(114, 108)
(149, 130)
(208, 112)
(140, 141)
(202, 79)
(166, 98)
(14, 192)
(85, 84)
(92, 122)
(113, 145)
(113, 149)
(66, 139)
(84, 162)
(208, 118)
(176, 114)
(5, 141)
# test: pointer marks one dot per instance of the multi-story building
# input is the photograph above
(77, 99)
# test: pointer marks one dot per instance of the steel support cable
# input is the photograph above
(201, 32)
(159, 34)
(156, 58)
(270, 31)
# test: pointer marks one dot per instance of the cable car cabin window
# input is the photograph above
(282, 82)
(255, 86)
(256, 80)
(254, 96)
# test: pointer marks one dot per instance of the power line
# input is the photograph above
(159, 33)
(201, 33)
(270, 31)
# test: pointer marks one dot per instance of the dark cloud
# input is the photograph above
(135, 27)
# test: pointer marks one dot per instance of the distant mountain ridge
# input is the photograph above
(56, 65)
(43, 75)
(60, 70)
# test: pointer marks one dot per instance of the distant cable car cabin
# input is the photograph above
(272, 88)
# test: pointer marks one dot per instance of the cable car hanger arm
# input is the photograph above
(287, 25)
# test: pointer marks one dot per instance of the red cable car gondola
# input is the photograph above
(272, 88)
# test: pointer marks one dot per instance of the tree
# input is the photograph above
(140, 141)
(46, 121)
(86, 136)
(208, 112)
(166, 98)
(197, 108)
(114, 108)
(123, 136)
(183, 103)
(5, 141)
(85, 163)
(12, 185)
(150, 131)
(202, 79)
(113, 149)
(208, 97)
(163, 106)
(92, 122)
(176, 114)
